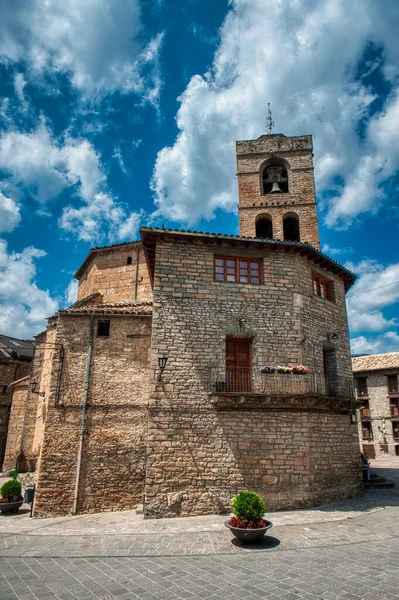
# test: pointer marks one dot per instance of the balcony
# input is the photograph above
(251, 381)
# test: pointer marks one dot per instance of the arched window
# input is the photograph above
(274, 179)
(129, 260)
(291, 227)
(264, 227)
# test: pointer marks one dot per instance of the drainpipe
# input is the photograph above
(82, 423)
(137, 272)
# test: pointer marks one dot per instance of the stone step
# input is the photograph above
(378, 483)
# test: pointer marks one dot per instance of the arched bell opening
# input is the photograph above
(264, 227)
(291, 227)
(275, 178)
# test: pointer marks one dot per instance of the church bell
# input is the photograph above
(276, 188)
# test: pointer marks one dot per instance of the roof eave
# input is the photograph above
(149, 236)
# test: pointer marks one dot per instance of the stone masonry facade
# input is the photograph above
(108, 430)
(200, 453)
(106, 270)
(296, 153)
(15, 364)
(378, 391)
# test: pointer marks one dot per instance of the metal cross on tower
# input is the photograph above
(269, 120)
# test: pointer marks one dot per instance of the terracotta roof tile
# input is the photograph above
(133, 307)
(375, 362)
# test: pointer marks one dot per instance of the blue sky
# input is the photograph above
(115, 114)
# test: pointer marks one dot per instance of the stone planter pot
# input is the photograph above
(10, 506)
(7, 507)
(248, 536)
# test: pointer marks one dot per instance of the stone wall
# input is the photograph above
(16, 425)
(9, 372)
(113, 452)
(107, 272)
(25, 416)
(381, 417)
(199, 454)
(301, 198)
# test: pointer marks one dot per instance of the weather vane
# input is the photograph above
(269, 120)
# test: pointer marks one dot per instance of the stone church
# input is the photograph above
(159, 385)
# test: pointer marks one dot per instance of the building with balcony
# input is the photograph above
(377, 388)
(194, 364)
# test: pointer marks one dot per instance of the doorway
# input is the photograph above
(238, 365)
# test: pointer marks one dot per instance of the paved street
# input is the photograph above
(347, 550)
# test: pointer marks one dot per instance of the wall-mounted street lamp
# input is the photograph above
(162, 360)
(33, 386)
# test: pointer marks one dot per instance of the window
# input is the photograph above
(365, 409)
(361, 385)
(322, 287)
(291, 227)
(331, 372)
(367, 431)
(369, 450)
(274, 179)
(395, 430)
(103, 328)
(129, 260)
(242, 270)
(264, 227)
(393, 384)
(394, 402)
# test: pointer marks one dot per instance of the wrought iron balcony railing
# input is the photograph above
(252, 380)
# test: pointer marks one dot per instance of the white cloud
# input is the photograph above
(327, 249)
(376, 288)
(34, 160)
(302, 57)
(45, 166)
(23, 306)
(389, 342)
(39, 162)
(97, 43)
(9, 214)
(19, 85)
(119, 158)
(103, 212)
(71, 293)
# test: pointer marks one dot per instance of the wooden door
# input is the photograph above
(238, 365)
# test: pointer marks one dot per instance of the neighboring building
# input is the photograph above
(15, 356)
(111, 428)
(377, 386)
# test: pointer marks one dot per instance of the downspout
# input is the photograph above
(82, 423)
(137, 272)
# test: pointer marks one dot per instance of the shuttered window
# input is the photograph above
(322, 287)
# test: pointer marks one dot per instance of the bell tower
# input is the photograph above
(276, 192)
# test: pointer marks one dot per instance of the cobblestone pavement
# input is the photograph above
(348, 550)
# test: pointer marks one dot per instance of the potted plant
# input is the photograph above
(300, 370)
(248, 524)
(284, 370)
(10, 492)
(268, 369)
